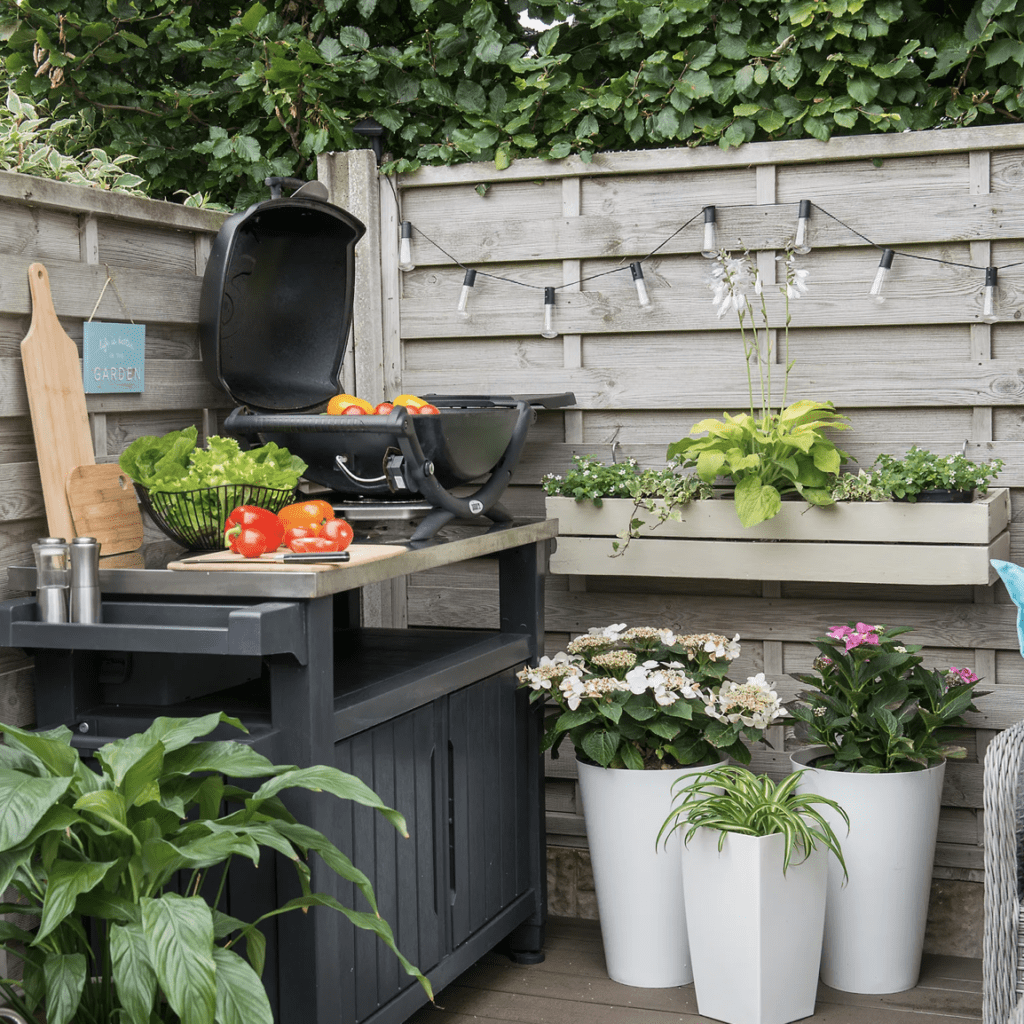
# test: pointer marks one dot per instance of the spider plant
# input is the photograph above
(732, 799)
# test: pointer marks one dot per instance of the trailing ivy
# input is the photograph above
(211, 97)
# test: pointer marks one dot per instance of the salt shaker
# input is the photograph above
(85, 580)
(51, 555)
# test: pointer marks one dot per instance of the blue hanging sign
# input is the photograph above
(113, 357)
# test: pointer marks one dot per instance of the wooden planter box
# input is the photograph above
(849, 542)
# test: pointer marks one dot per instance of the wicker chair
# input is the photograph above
(1003, 966)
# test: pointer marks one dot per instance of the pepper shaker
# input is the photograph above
(51, 555)
(85, 581)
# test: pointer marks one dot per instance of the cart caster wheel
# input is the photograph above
(526, 956)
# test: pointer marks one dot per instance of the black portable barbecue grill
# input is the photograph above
(275, 312)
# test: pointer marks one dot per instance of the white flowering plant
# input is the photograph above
(643, 697)
(921, 470)
(766, 451)
(876, 707)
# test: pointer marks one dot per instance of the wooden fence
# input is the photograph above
(922, 368)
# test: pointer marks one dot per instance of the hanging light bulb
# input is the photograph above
(801, 246)
(405, 247)
(549, 314)
(641, 288)
(467, 282)
(877, 286)
(988, 306)
(710, 248)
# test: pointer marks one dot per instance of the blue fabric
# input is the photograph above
(1013, 576)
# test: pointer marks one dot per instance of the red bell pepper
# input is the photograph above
(337, 530)
(305, 544)
(251, 517)
(251, 542)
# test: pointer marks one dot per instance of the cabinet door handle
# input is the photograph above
(451, 824)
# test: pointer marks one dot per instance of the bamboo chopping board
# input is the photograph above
(217, 561)
(56, 401)
(103, 505)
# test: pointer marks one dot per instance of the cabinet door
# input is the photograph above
(488, 802)
(404, 762)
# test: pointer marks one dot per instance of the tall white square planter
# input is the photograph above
(755, 934)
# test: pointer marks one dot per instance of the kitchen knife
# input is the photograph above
(292, 556)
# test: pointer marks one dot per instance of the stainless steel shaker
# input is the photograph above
(85, 605)
(51, 555)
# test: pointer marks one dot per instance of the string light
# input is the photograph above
(641, 288)
(877, 291)
(988, 305)
(549, 314)
(467, 283)
(709, 250)
(801, 246)
(405, 247)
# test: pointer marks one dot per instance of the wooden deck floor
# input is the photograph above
(571, 987)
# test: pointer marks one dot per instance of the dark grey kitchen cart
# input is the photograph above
(431, 719)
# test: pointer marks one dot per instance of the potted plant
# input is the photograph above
(765, 452)
(643, 706)
(754, 864)
(922, 475)
(882, 726)
(660, 492)
(94, 855)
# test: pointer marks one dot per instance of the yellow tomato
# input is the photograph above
(339, 403)
(408, 400)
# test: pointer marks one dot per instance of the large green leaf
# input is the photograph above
(756, 502)
(241, 998)
(65, 980)
(323, 778)
(236, 760)
(24, 800)
(179, 934)
(52, 747)
(600, 745)
(140, 781)
(67, 880)
(133, 972)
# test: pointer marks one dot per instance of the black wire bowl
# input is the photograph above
(195, 519)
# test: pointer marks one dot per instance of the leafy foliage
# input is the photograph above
(218, 96)
(921, 470)
(646, 698)
(94, 857)
(876, 707)
(732, 799)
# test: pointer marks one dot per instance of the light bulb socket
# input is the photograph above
(637, 271)
(804, 213)
(709, 249)
(470, 279)
(991, 277)
(549, 296)
(709, 215)
(406, 229)
(886, 261)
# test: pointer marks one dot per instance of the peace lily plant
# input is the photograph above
(94, 856)
(765, 452)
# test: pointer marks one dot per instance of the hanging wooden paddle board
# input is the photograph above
(56, 401)
(104, 506)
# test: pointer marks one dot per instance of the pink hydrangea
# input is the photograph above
(863, 634)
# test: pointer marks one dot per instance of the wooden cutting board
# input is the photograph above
(56, 401)
(103, 505)
(215, 561)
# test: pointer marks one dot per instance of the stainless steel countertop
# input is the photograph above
(291, 584)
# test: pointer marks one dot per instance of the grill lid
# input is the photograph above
(276, 302)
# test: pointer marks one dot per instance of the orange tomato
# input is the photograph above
(408, 401)
(339, 403)
(384, 408)
(306, 515)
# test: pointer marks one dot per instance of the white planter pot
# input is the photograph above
(741, 910)
(639, 886)
(874, 925)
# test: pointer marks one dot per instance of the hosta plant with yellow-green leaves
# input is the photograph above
(96, 858)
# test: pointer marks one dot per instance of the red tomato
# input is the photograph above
(306, 544)
(353, 410)
(428, 410)
(384, 408)
(298, 531)
(337, 530)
